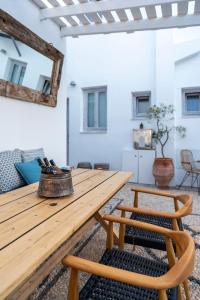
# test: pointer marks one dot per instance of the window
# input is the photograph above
(44, 85)
(141, 104)
(16, 71)
(95, 109)
(191, 102)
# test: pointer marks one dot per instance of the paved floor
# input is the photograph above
(93, 245)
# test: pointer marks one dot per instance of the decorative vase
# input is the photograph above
(163, 171)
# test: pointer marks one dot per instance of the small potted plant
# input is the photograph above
(161, 116)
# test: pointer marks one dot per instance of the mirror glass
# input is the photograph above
(20, 64)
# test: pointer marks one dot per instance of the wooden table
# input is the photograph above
(36, 233)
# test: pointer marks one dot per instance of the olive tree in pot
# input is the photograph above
(162, 116)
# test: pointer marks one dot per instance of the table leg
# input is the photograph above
(104, 224)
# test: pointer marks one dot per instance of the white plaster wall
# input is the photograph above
(143, 61)
(25, 125)
(186, 75)
(125, 64)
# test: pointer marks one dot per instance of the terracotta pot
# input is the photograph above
(163, 171)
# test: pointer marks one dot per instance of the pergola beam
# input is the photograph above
(130, 26)
(100, 6)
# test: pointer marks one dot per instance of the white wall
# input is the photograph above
(123, 63)
(162, 62)
(26, 125)
(186, 75)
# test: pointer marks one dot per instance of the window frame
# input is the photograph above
(185, 93)
(96, 91)
(10, 68)
(41, 83)
(135, 97)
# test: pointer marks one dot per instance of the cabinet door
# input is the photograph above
(130, 163)
(146, 160)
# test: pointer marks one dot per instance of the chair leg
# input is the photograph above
(196, 179)
(187, 174)
(162, 295)
(198, 185)
(192, 180)
(187, 290)
(73, 293)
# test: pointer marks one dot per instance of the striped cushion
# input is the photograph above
(28, 155)
(10, 179)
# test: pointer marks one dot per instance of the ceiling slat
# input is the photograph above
(108, 16)
(69, 2)
(183, 8)
(151, 11)
(53, 2)
(197, 7)
(71, 21)
(122, 15)
(94, 18)
(59, 22)
(166, 10)
(39, 3)
(83, 20)
(136, 13)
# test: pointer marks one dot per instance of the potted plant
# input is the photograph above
(161, 116)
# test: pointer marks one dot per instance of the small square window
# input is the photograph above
(44, 84)
(191, 102)
(141, 104)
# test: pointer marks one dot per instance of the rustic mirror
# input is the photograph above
(30, 68)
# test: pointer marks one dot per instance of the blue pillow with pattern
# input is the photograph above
(10, 179)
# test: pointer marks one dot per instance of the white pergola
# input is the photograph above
(85, 17)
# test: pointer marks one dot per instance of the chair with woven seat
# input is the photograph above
(124, 275)
(170, 220)
(190, 167)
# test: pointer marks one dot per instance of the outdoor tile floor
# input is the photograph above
(93, 245)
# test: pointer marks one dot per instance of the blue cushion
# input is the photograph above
(30, 171)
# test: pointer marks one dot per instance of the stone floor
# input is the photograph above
(93, 245)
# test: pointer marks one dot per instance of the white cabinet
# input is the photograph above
(140, 162)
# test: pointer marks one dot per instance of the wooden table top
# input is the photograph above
(31, 229)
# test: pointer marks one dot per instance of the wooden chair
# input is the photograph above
(124, 275)
(170, 220)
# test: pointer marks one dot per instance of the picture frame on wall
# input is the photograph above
(142, 139)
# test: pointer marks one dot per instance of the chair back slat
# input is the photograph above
(187, 160)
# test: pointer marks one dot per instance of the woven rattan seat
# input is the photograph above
(98, 288)
(145, 238)
(166, 219)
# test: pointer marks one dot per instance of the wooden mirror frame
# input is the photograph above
(14, 28)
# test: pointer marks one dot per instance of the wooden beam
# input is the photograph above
(153, 24)
(99, 6)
